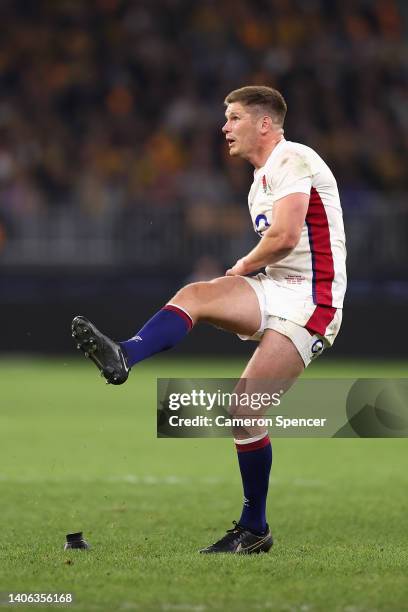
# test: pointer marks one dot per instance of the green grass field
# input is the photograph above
(79, 455)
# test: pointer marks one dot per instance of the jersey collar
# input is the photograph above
(271, 156)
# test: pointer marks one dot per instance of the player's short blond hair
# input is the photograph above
(267, 99)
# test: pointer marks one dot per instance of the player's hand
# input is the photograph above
(241, 268)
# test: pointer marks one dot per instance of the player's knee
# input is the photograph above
(193, 298)
(191, 293)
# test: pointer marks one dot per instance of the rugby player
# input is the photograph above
(293, 308)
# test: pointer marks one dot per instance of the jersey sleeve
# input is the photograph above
(292, 174)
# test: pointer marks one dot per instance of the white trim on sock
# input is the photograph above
(254, 439)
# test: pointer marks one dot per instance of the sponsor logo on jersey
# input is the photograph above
(261, 223)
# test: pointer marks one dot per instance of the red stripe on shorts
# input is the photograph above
(320, 320)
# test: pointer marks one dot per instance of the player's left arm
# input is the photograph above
(279, 239)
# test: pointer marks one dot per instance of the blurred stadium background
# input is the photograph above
(115, 182)
(115, 189)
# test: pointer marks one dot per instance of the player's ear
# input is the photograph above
(265, 124)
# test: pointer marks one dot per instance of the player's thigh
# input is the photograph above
(276, 358)
(228, 302)
(273, 368)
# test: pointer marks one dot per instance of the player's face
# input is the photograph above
(240, 130)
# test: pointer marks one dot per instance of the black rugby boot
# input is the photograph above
(239, 540)
(106, 354)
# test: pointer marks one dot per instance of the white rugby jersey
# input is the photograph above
(316, 267)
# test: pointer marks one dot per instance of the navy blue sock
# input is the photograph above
(255, 461)
(165, 329)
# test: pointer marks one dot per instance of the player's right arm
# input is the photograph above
(279, 239)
